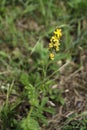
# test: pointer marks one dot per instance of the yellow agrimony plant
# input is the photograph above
(54, 43)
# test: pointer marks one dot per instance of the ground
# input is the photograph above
(75, 94)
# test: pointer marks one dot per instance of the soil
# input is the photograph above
(74, 83)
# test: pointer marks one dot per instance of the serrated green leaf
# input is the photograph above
(28, 124)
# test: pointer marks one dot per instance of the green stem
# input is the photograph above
(42, 82)
(29, 114)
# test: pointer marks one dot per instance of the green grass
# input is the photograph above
(77, 124)
(26, 74)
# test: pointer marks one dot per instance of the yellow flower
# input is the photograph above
(58, 33)
(54, 39)
(57, 48)
(50, 45)
(51, 56)
(56, 44)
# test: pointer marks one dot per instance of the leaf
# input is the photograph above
(32, 95)
(3, 54)
(28, 124)
(24, 79)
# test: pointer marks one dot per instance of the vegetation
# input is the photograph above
(31, 87)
